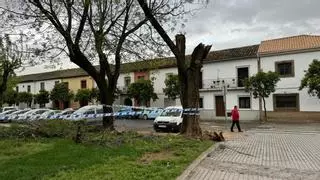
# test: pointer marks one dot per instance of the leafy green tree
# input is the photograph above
(142, 91)
(25, 97)
(10, 97)
(42, 98)
(311, 79)
(262, 85)
(84, 96)
(61, 93)
(172, 89)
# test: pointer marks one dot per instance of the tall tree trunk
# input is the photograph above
(189, 77)
(3, 85)
(265, 109)
(188, 72)
(106, 99)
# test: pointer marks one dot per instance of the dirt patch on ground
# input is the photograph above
(147, 158)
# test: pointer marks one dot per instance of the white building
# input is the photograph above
(289, 56)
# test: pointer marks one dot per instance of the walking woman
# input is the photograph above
(235, 118)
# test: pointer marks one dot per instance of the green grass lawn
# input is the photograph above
(119, 157)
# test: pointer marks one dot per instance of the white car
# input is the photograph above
(92, 114)
(48, 114)
(8, 108)
(15, 115)
(4, 115)
(170, 119)
(32, 114)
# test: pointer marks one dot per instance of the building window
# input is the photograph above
(42, 88)
(127, 81)
(286, 102)
(29, 88)
(285, 68)
(17, 88)
(83, 84)
(243, 73)
(201, 102)
(56, 82)
(244, 103)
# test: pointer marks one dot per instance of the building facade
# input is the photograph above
(222, 74)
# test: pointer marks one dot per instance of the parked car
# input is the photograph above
(169, 119)
(48, 114)
(31, 115)
(150, 113)
(92, 113)
(7, 108)
(4, 115)
(65, 114)
(15, 115)
(129, 113)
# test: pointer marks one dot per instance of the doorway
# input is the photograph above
(220, 110)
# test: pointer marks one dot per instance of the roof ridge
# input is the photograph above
(289, 37)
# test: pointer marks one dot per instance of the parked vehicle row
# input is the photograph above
(90, 112)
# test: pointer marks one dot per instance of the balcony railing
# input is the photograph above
(219, 83)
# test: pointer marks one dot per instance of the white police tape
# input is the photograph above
(188, 111)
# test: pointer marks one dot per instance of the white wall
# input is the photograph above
(159, 76)
(291, 84)
(35, 87)
(228, 69)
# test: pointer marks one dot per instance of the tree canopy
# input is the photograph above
(25, 97)
(83, 96)
(61, 92)
(10, 97)
(172, 89)
(42, 98)
(142, 91)
(311, 79)
(262, 85)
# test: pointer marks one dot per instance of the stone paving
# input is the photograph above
(266, 152)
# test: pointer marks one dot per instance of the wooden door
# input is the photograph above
(220, 106)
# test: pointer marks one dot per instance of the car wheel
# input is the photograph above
(157, 130)
(145, 117)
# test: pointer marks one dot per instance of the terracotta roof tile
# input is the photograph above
(287, 44)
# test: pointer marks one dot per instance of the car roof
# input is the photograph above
(174, 107)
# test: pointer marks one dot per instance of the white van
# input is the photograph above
(169, 119)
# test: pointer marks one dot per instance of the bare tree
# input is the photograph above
(188, 70)
(93, 31)
(12, 55)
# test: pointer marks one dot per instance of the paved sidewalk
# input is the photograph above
(267, 152)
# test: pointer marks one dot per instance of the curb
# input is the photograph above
(197, 161)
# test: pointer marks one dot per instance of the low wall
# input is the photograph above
(294, 116)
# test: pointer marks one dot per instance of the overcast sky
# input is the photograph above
(234, 23)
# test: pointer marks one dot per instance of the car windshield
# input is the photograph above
(171, 112)
(8, 112)
(86, 109)
(20, 112)
(67, 112)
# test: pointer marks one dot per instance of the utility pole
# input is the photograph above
(225, 104)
